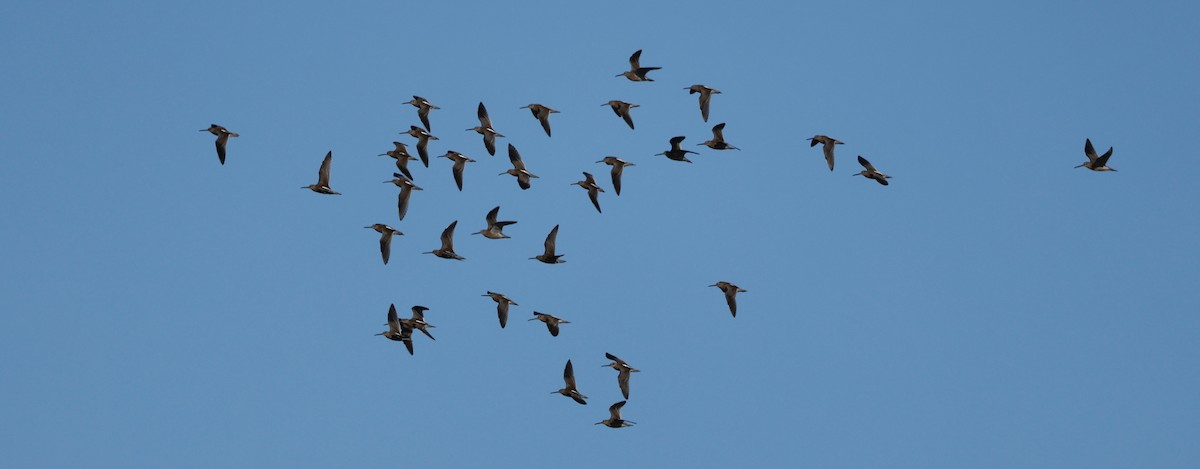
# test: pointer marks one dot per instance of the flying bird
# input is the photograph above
(502, 303)
(223, 135)
(485, 129)
(870, 172)
(495, 229)
(570, 390)
(460, 161)
(423, 106)
(417, 321)
(731, 292)
(621, 108)
(614, 420)
(423, 137)
(385, 239)
(827, 144)
(705, 95)
(618, 167)
(623, 371)
(1094, 163)
(406, 187)
(542, 113)
(400, 154)
(447, 249)
(551, 322)
(676, 153)
(593, 189)
(718, 140)
(636, 71)
(398, 330)
(548, 256)
(322, 185)
(518, 170)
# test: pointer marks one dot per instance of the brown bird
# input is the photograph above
(705, 95)
(406, 187)
(400, 154)
(551, 322)
(447, 249)
(542, 113)
(870, 172)
(485, 129)
(1094, 163)
(718, 140)
(460, 161)
(618, 167)
(827, 144)
(593, 189)
(397, 330)
(621, 108)
(569, 390)
(385, 240)
(614, 420)
(548, 256)
(731, 292)
(417, 321)
(676, 153)
(423, 106)
(223, 135)
(502, 303)
(495, 229)
(518, 170)
(623, 371)
(636, 71)
(423, 137)
(322, 185)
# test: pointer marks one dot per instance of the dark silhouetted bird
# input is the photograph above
(397, 330)
(621, 108)
(593, 189)
(548, 256)
(718, 140)
(542, 113)
(460, 162)
(570, 390)
(827, 144)
(423, 137)
(406, 187)
(705, 95)
(614, 420)
(551, 322)
(623, 371)
(502, 303)
(485, 129)
(400, 154)
(1095, 163)
(495, 229)
(676, 153)
(385, 239)
(518, 168)
(423, 106)
(447, 249)
(731, 292)
(870, 172)
(636, 71)
(223, 135)
(322, 185)
(618, 167)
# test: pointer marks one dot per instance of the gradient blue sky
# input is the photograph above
(993, 307)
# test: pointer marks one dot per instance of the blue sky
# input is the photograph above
(992, 307)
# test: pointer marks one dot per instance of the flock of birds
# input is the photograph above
(401, 329)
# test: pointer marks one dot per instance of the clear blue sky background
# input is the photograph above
(993, 307)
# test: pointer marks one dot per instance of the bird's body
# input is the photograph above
(542, 113)
(460, 162)
(447, 249)
(397, 330)
(593, 189)
(548, 256)
(523, 175)
(423, 137)
(636, 71)
(705, 95)
(417, 321)
(614, 419)
(485, 129)
(870, 172)
(551, 322)
(322, 185)
(502, 303)
(1094, 162)
(406, 187)
(223, 135)
(618, 167)
(495, 229)
(400, 154)
(385, 239)
(623, 371)
(423, 106)
(621, 108)
(827, 144)
(718, 140)
(730, 290)
(569, 390)
(676, 153)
